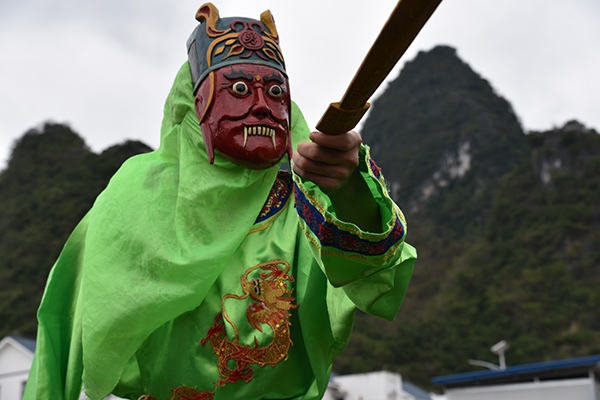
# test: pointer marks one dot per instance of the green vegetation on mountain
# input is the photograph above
(529, 276)
(508, 248)
(506, 224)
(51, 181)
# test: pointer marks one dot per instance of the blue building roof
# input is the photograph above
(547, 367)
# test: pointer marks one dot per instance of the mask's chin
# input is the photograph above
(259, 157)
(253, 163)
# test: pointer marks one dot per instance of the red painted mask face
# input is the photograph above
(246, 117)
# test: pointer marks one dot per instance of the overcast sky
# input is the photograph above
(105, 67)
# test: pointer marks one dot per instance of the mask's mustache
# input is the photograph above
(282, 122)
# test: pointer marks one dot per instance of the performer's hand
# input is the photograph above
(330, 161)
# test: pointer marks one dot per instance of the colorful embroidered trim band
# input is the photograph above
(331, 234)
(278, 197)
(376, 171)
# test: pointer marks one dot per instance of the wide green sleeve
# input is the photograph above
(373, 269)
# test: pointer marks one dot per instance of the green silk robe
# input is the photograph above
(212, 281)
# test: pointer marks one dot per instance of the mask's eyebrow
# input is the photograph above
(237, 75)
(274, 77)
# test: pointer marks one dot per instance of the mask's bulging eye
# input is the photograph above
(275, 91)
(240, 88)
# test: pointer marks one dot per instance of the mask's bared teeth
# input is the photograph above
(259, 131)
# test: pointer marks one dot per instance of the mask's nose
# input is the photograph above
(260, 106)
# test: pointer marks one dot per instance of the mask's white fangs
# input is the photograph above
(259, 131)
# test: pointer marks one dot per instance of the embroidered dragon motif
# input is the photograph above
(271, 305)
(268, 287)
